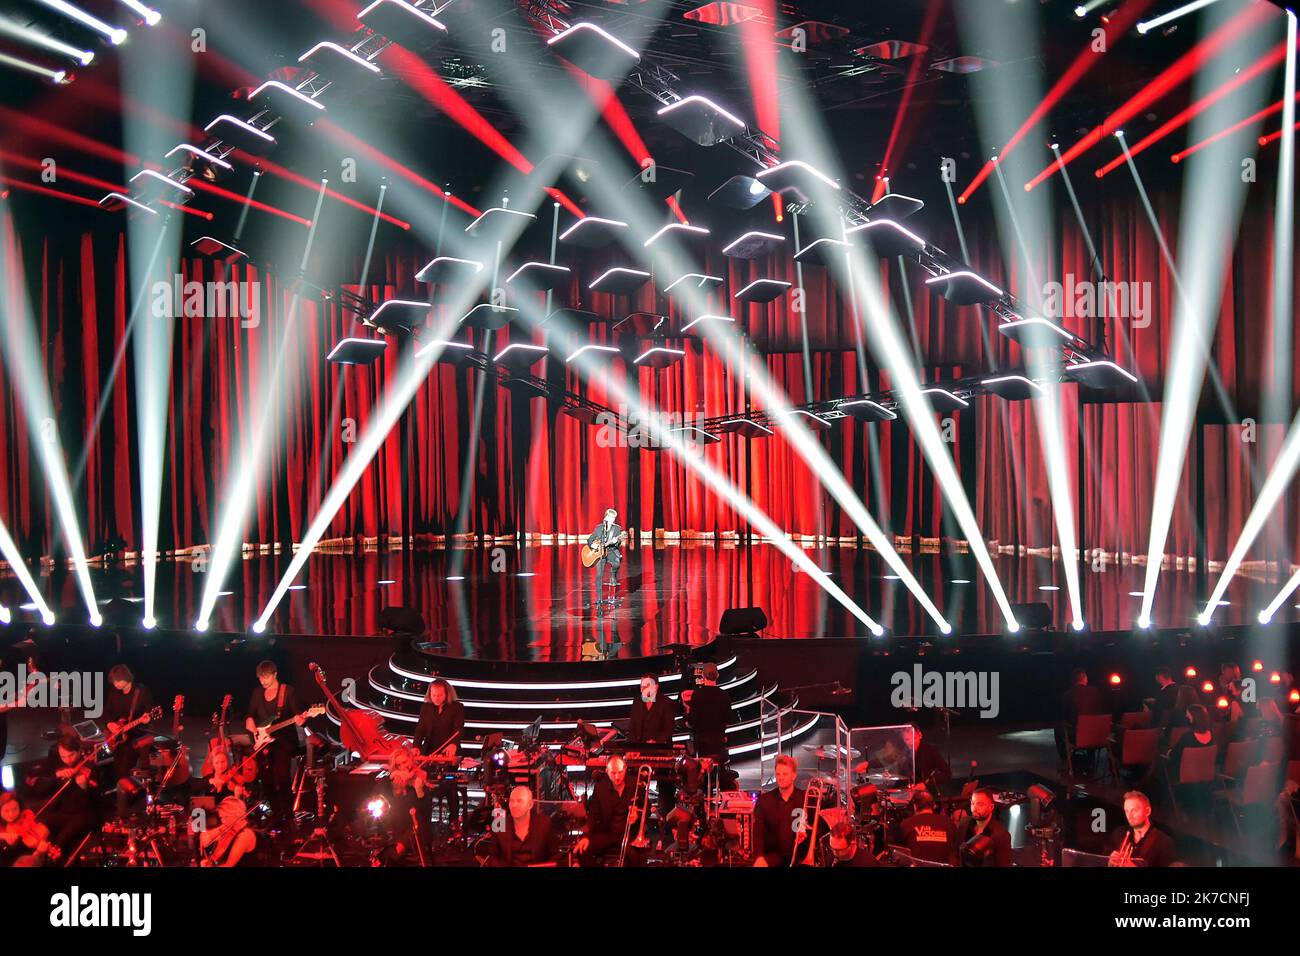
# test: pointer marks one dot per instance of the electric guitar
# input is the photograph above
(591, 553)
(262, 738)
(117, 736)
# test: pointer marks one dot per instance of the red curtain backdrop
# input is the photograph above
(542, 471)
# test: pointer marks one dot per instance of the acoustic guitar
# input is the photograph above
(591, 553)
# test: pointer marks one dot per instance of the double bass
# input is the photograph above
(362, 731)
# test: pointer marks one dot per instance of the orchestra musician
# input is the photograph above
(225, 780)
(707, 713)
(611, 809)
(232, 843)
(67, 781)
(411, 789)
(776, 824)
(24, 841)
(271, 703)
(609, 534)
(928, 834)
(126, 700)
(527, 839)
(438, 730)
(983, 840)
(651, 721)
(1139, 841)
(847, 850)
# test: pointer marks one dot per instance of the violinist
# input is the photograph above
(24, 841)
(412, 798)
(67, 786)
(225, 780)
(232, 843)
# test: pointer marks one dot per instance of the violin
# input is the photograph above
(33, 834)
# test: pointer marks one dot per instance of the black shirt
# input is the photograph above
(439, 724)
(863, 857)
(977, 852)
(930, 836)
(607, 809)
(652, 725)
(280, 707)
(540, 846)
(774, 825)
(1154, 849)
(931, 768)
(120, 708)
(1082, 699)
(708, 718)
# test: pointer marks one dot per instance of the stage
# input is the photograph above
(500, 602)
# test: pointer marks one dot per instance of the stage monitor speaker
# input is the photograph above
(1033, 617)
(742, 620)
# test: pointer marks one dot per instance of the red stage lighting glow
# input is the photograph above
(1190, 672)
(1275, 678)
(1207, 687)
(186, 209)
(1235, 127)
(252, 203)
(46, 191)
(1221, 703)
(760, 66)
(1177, 74)
(1085, 61)
(721, 13)
(1259, 66)
(913, 72)
(1294, 696)
(1115, 680)
(1274, 136)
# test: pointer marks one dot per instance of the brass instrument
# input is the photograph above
(640, 805)
(812, 798)
(1125, 852)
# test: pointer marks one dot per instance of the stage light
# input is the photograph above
(276, 91)
(54, 76)
(673, 228)
(201, 626)
(1221, 703)
(1207, 687)
(1189, 673)
(1115, 680)
(38, 38)
(595, 51)
(155, 177)
(658, 356)
(592, 231)
(149, 623)
(199, 154)
(701, 120)
(1147, 26)
(344, 52)
(752, 244)
(150, 16)
(1080, 12)
(114, 35)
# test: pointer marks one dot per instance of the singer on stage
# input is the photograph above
(610, 535)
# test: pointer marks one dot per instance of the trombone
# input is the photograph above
(812, 799)
(640, 806)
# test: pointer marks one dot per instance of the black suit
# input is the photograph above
(611, 537)
(1156, 848)
(708, 718)
(652, 725)
(1080, 699)
(540, 846)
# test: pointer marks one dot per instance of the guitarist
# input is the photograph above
(125, 701)
(610, 535)
(271, 703)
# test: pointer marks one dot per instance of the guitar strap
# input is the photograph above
(135, 699)
(279, 704)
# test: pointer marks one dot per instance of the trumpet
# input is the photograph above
(640, 806)
(812, 798)
(1124, 855)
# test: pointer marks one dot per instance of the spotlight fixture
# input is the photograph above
(520, 355)
(701, 319)
(592, 231)
(288, 102)
(215, 248)
(540, 275)
(798, 180)
(354, 351)
(1013, 387)
(865, 410)
(402, 23)
(745, 428)
(693, 280)
(763, 291)
(753, 244)
(888, 238)
(115, 201)
(740, 192)
(150, 16)
(607, 351)
(496, 220)
(447, 269)
(964, 287)
(894, 206)
(658, 356)
(45, 41)
(942, 400)
(487, 317)
(152, 185)
(595, 51)
(677, 230)
(701, 120)
(1099, 374)
(449, 353)
(807, 417)
(820, 251)
(399, 315)
(335, 61)
(620, 281)
(1035, 333)
(240, 134)
(692, 434)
